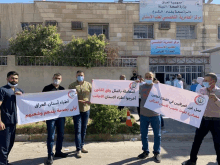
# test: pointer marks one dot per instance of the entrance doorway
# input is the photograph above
(160, 77)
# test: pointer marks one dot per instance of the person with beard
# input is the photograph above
(178, 83)
(134, 77)
(59, 123)
(8, 115)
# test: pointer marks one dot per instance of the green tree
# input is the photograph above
(37, 41)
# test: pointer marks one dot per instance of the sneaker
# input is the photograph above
(157, 158)
(84, 150)
(78, 154)
(49, 160)
(61, 155)
(188, 162)
(143, 155)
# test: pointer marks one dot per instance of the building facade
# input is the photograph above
(120, 23)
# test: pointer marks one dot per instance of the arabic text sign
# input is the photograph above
(179, 104)
(165, 47)
(173, 11)
(115, 92)
(35, 107)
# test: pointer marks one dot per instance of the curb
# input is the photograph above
(108, 137)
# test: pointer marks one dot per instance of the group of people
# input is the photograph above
(8, 117)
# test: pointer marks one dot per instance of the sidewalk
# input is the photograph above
(112, 153)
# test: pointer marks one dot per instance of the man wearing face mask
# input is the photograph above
(178, 83)
(134, 77)
(59, 123)
(210, 120)
(8, 115)
(84, 90)
(122, 77)
(149, 117)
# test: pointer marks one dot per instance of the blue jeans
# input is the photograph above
(80, 125)
(59, 123)
(7, 138)
(156, 126)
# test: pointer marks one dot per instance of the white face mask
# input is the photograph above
(57, 82)
(148, 81)
(12, 85)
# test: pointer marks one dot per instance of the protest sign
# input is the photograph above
(35, 107)
(179, 104)
(115, 92)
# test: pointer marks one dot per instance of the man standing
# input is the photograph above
(199, 86)
(178, 83)
(122, 77)
(83, 89)
(59, 123)
(8, 115)
(208, 123)
(168, 82)
(134, 77)
(149, 117)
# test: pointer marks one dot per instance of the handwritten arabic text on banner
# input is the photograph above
(173, 11)
(165, 47)
(35, 107)
(181, 105)
(115, 92)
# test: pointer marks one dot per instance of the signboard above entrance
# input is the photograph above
(171, 10)
(165, 47)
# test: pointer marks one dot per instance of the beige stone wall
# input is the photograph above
(120, 17)
(34, 78)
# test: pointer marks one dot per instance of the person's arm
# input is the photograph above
(2, 95)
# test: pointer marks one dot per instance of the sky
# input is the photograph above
(31, 1)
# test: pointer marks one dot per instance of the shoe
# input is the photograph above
(84, 150)
(188, 162)
(78, 154)
(49, 160)
(157, 158)
(61, 155)
(143, 155)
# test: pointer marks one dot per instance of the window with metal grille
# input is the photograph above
(186, 32)
(76, 25)
(143, 31)
(51, 22)
(98, 29)
(25, 25)
(218, 31)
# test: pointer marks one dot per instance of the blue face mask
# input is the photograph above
(80, 78)
(206, 84)
(149, 82)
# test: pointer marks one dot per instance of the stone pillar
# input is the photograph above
(143, 65)
(11, 61)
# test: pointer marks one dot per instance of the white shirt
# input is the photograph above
(198, 88)
(168, 83)
(178, 84)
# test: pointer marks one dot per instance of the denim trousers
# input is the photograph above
(59, 123)
(80, 126)
(7, 139)
(155, 122)
(201, 132)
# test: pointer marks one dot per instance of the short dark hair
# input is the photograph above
(79, 71)
(57, 74)
(213, 76)
(12, 73)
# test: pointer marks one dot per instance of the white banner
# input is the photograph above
(179, 104)
(115, 92)
(35, 107)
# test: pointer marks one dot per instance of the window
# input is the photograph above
(0, 29)
(98, 29)
(51, 22)
(185, 31)
(143, 31)
(218, 31)
(24, 25)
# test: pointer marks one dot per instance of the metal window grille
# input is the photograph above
(76, 25)
(219, 32)
(51, 22)
(143, 31)
(24, 25)
(98, 29)
(185, 31)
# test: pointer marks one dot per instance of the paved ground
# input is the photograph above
(112, 153)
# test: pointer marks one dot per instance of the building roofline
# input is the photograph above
(124, 2)
(215, 49)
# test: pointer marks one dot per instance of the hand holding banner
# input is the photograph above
(35, 107)
(181, 105)
(115, 92)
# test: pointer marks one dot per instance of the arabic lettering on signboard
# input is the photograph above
(165, 47)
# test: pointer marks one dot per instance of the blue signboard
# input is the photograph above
(171, 10)
(165, 47)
